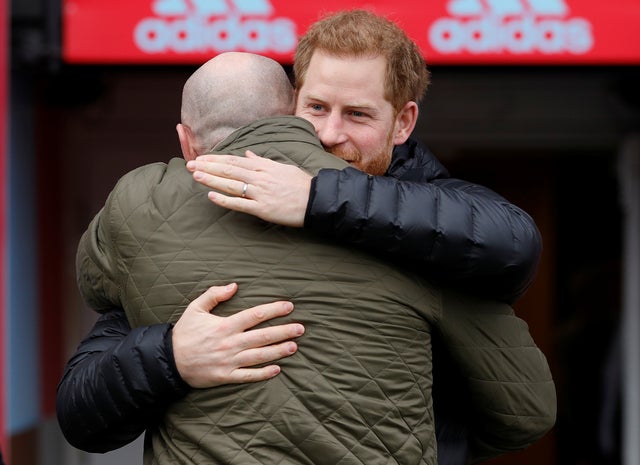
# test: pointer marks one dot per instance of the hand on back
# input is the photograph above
(275, 192)
(210, 350)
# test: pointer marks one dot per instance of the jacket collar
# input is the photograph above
(413, 161)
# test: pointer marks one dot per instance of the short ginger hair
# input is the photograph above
(361, 33)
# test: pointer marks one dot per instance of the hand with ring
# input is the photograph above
(272, 191)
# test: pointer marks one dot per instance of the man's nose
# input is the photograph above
(333, 131)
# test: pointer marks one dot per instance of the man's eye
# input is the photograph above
(316, 107)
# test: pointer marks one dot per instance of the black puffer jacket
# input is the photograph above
(459, 233)
(468, 235)
(118, 381)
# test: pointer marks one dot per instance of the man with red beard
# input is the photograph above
(362, 96)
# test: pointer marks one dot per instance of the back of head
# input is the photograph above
(361, 33)
(230, 91)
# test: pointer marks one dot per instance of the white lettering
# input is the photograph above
(551, 36)
(182, 35)
(579, 36)
(209, 7)
(224, 34)
(198, 34)
(284, 35)
(447, 35)
(505, 7)
(150, 35)
(480, 35)
(520, 36)
(256, 35)
(549, 7)
(492, 34)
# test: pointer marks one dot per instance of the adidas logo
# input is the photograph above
(211, 7)
(510, 26)
(215, 26)
(507, 7)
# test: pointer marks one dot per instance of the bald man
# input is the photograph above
(200, 349)
(226, 93)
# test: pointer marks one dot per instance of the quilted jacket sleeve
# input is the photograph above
(454, 231)
(116, 383)
(94, 266)
(511, 390)
(99, 268)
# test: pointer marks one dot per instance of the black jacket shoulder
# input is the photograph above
(458, 233)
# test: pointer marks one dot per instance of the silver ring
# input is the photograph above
(244, 190)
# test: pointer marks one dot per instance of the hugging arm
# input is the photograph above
(121, 379)
(117, 382)
(507, 377)
(454, 231)
(459, 233)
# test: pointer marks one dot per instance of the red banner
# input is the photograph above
(448, 31)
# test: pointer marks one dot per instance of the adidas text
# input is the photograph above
(492, 34)
(200, 35)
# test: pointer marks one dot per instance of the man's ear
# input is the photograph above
(186, 142)
(406, 120)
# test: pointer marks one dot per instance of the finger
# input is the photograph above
(206, 158)
(253, 316)
(264, 337)
(204, 164)
(251, 375)
(221, 183)
(217, 167)
(245, 189)
(250, 162)
(239, 204)
(252, 357)
(212, 297)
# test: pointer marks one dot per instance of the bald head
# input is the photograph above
(231, 90)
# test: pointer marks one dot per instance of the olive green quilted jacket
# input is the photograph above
(359, 389)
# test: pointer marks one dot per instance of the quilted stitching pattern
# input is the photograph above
(331, 350)
(359, 389)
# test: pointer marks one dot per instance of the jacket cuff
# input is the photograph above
(180, 385)
(312, 196)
